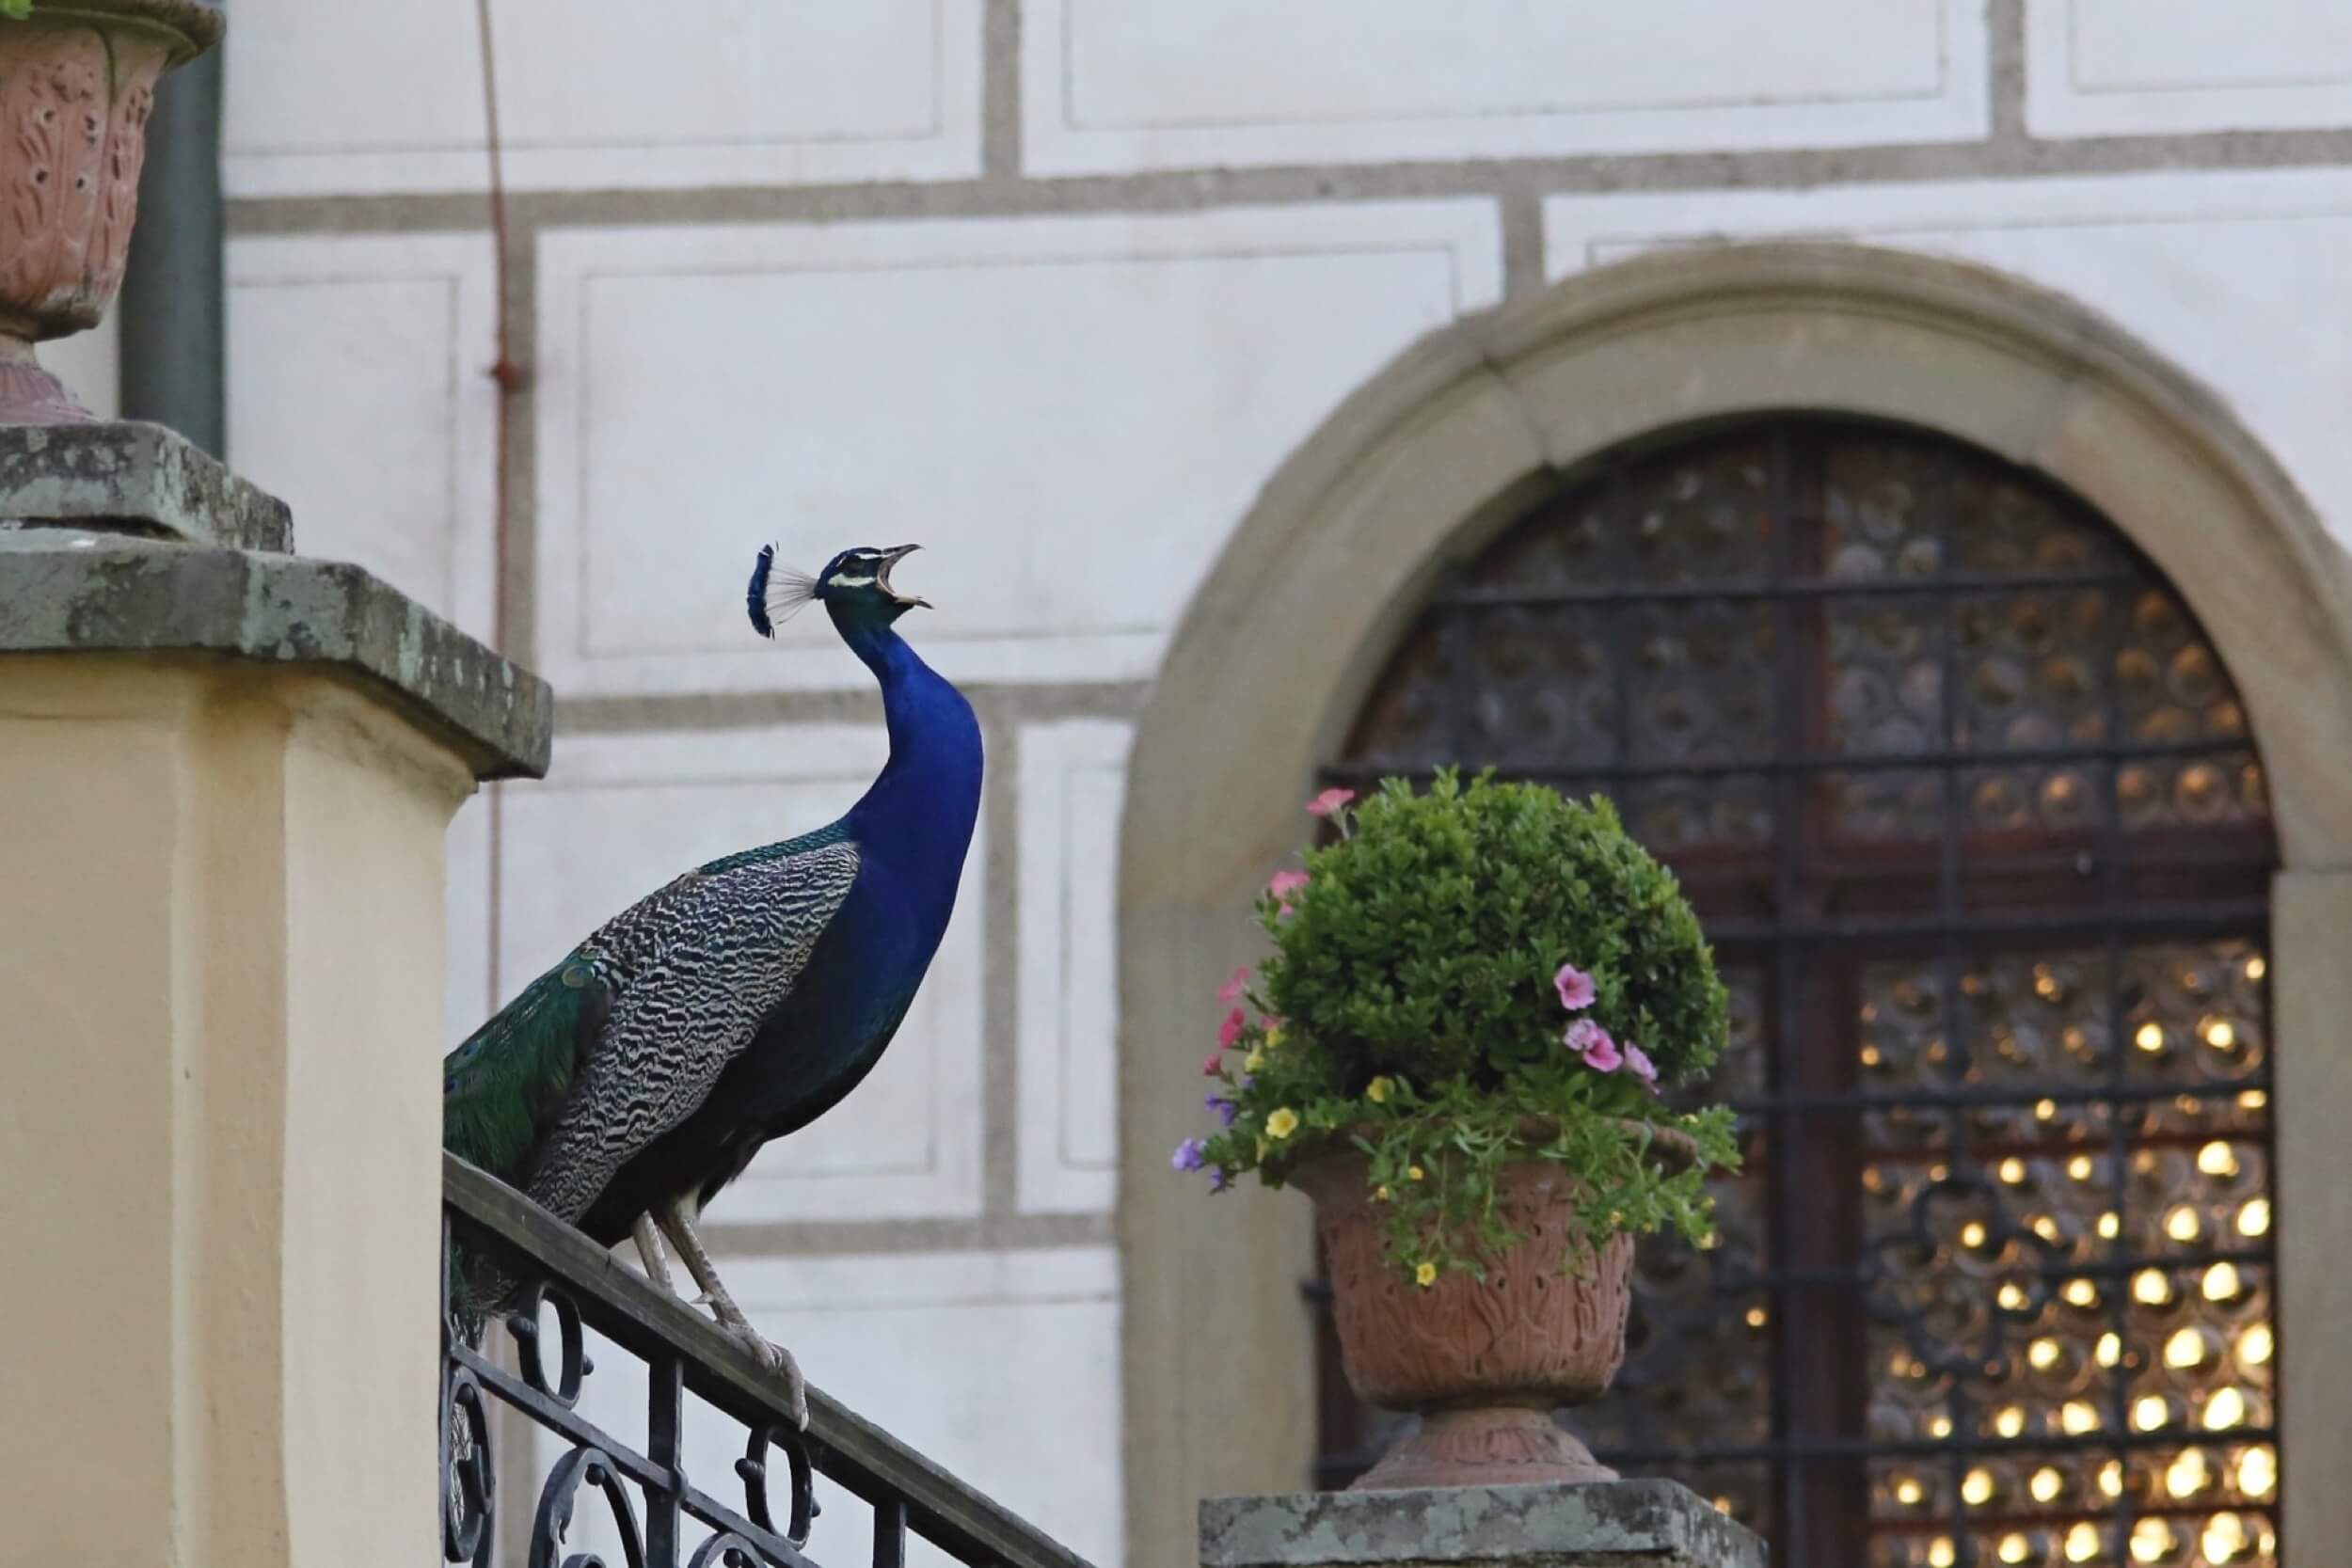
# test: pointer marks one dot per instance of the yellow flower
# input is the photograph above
(1252, 1062)
(1416, 1174)
(1426, 1274)
(1273, 1036)
(1381, 1192)
(1282, 1122)
(1377, 1090)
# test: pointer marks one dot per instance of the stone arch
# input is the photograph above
(1441, 449)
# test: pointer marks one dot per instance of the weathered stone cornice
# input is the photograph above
(123, 538)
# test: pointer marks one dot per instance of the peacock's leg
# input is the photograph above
(650, 1249)
(677, 1223)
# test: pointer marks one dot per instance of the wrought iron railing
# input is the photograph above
(658, 1516)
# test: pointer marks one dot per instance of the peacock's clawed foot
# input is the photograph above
(780, 1361)
(677, 1223)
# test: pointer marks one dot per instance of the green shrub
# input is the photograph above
(1470, 977)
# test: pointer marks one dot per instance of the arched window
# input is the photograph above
(1972, 817)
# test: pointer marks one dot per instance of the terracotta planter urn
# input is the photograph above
(77, 80)
(1484, 1362)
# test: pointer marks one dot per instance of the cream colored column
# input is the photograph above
(220, 958)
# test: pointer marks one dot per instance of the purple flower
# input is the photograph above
(1643, 1067)
(1187, 1155)
(1223, 1107)
(1219, 1179)
(1592, 1042)
(1574, 987)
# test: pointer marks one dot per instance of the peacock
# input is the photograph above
(635, 1080)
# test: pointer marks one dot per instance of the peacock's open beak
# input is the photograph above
(882, 576)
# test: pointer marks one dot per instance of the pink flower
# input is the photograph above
(1230, 992)
(1285, 883)
(1330, 802)
(1574, 987)
(1229, 1030)
(1211, 1066)
(1638, 1059)
(1592, 1042)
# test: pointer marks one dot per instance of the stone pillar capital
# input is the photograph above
(124, 538)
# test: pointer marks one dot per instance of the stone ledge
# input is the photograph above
(77, 591)
(139, 480)
(1620, 1524)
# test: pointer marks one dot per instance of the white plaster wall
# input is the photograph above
(1114, 85)
(2236, 277)
(1001, 1366)
(360, 392)
(2114, 67)
(620, 815)
(599, 93)
(1070, 412)
(1072, 778)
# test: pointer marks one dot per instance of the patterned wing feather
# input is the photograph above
(695, 972)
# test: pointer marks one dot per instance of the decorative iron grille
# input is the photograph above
(1970, 811)
(653, 1515)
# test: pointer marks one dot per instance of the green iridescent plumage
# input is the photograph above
(499, 1088)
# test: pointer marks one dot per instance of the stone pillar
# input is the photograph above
(1613, 1524)
(225, 773)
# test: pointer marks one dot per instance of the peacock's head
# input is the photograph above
(854, 584)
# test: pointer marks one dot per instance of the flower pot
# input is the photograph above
(1485, 1362)
(77, 80)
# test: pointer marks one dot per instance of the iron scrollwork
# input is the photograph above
(726, 1549)
(593, 1468)
(467, 1503)
(753, 1468)
(572, 1361)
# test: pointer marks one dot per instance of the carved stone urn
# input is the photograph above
(1484, 1362)
(77, 80)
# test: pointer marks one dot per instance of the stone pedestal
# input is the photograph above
(225, 773)
(1617, 1524)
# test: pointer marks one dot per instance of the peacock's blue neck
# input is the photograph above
(917, 816)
